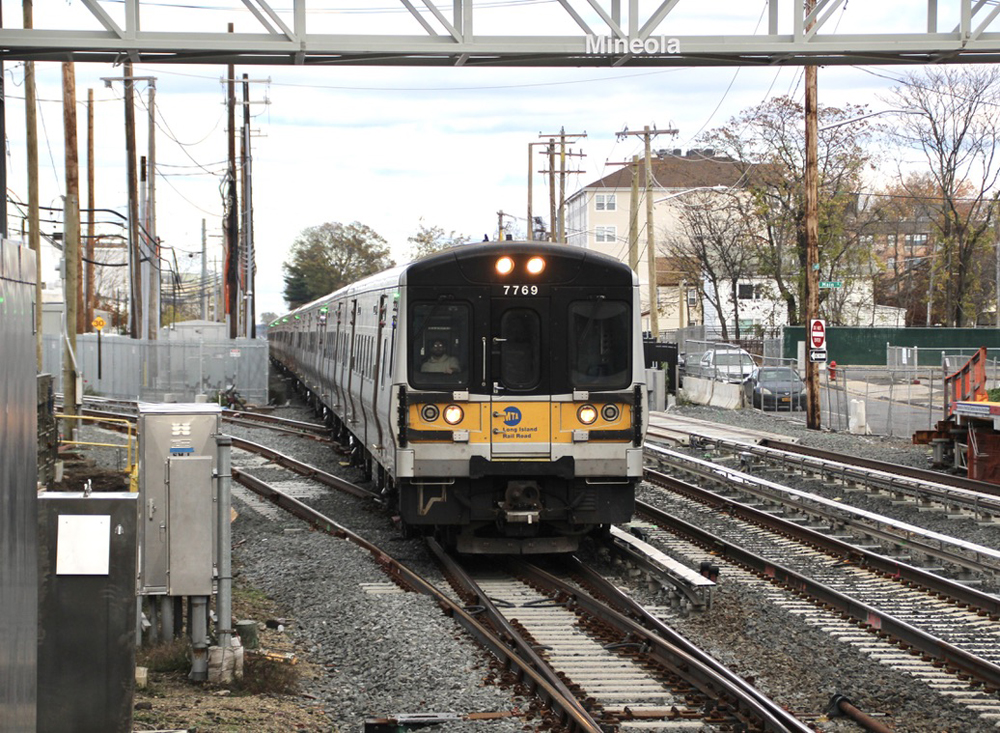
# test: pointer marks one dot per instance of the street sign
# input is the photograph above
(817, 333)
(817, 356)
(831, 283)
(98, 323)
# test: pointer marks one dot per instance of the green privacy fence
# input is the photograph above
(867, 345)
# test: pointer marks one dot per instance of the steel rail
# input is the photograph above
(921, 474)
(886, 477)
(308, 433)
(303, 469)
(409, 579)
(467, 587)
(865, 615)
(669, 649)
(632, 609)
(263, 417)
(908, 532)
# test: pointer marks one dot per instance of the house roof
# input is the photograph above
(672, 169)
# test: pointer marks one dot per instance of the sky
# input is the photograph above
(390, 147)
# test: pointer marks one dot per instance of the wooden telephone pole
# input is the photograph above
(654, 304)
(31, 130)
(232, 213)
(811, 183)
(71, 246)
(558, 212)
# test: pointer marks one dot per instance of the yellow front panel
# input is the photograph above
(520, 423)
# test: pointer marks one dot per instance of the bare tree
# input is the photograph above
(768, 141)
(713, 248)
(952, 119)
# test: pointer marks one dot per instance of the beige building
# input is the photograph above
(597, 217)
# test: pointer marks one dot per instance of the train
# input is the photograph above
(494, 393)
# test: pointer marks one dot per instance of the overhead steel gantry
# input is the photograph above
(603, 36)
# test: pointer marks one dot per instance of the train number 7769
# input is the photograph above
(520, 290)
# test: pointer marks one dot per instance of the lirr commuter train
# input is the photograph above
(494, 392)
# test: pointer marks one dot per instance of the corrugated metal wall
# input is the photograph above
(18, 497)
(864, 346)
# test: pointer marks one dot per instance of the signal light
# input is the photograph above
(587, 414)
(536, 265)
(610, 412)
(453, 414)
(430, 413)
(505, 265)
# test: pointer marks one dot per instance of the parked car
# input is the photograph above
(727, 365)
(776, 388)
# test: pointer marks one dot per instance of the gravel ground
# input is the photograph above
(377, 654)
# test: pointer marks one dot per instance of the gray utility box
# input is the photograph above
(87, 610)
(178, 495)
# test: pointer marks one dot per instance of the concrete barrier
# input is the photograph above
(709, 392)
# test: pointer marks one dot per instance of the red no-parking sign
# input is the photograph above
(817, 333)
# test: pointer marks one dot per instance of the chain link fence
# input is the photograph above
(163, 371)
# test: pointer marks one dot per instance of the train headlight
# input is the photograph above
(536, 265)
(505, 265)
(430, 413)
(587, 414)
(610, 412)
(453, 414)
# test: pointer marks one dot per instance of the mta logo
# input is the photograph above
(511, 416)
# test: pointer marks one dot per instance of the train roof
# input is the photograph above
(459, 253)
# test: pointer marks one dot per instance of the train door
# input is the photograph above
(520, 365)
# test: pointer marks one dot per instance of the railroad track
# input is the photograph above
(948, 637)
(625, 666)
(670, 682)
(955, 494)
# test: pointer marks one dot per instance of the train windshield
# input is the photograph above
(600, 345)
(439, 345)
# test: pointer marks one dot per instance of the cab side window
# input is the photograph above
(439, 345)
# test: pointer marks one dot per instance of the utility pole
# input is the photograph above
(558, 214)
(553, 227)
(71, 246)
(812, 236)
(150, 221)
(204, 273)
(531, 178)
(654, 304)
(250, 319)
(91, 298)
(31, 128)
(633, 218)
(135, 251)
(232, 214)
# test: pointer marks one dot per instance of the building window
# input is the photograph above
(606, 234)
(605, 202)
(748, 291)
(867, 239)
(918, 240)
(891, 240)
(692, 298)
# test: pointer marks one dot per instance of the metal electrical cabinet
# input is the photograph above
(87, 610)
(178, 495)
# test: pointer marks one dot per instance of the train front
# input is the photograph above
(523, 414)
